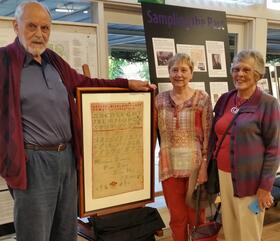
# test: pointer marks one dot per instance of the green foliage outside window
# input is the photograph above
(272, 59)
(144, 73)
(120, 59)
(115, 67)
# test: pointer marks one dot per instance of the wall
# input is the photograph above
(254, 19)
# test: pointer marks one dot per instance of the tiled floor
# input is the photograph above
(159, 203)
(271, 230)
(8, 238)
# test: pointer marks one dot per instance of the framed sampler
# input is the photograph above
(117, 171)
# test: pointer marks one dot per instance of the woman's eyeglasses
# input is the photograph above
(244, 70)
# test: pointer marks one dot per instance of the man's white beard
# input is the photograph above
(36, 52)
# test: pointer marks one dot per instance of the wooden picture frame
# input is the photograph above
(117, 171)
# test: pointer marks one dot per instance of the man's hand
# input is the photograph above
(139, 85)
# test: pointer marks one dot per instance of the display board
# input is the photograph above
(76, 43)
(202, 34)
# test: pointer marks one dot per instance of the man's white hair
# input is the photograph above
(20, 8)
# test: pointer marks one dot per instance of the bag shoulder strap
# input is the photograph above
(216, 153)
(225, 133)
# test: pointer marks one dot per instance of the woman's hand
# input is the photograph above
(202, 173)
(265, 198)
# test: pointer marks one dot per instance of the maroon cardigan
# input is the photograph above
(12, 154)
(254, 142)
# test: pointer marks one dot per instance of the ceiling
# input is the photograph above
(61, 10)
(121, 36)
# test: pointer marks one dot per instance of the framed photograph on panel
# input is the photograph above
(117, 171)
(265, 83)
(277, 78)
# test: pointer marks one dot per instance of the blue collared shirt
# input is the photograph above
(44, 104)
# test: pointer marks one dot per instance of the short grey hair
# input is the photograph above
(178, 58)
(246, 54)
(20, 8)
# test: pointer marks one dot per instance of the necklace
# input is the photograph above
(235, 109)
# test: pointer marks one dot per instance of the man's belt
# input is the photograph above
(60, 147)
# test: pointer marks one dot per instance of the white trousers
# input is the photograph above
(239, 223)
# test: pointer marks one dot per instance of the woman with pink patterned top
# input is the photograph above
(183, 117)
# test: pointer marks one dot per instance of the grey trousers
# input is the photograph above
(47, 210)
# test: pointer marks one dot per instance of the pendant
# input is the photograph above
(234, 110)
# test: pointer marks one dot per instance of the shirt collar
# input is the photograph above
(29, 59)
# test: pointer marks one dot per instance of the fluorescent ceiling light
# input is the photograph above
(224, 2)
(273, 4)
(242, 2)
(64, 10)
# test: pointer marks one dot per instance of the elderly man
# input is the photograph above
(40, 138)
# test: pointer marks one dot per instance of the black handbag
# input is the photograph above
(139, 224)
(212, 184)
(206, 231)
